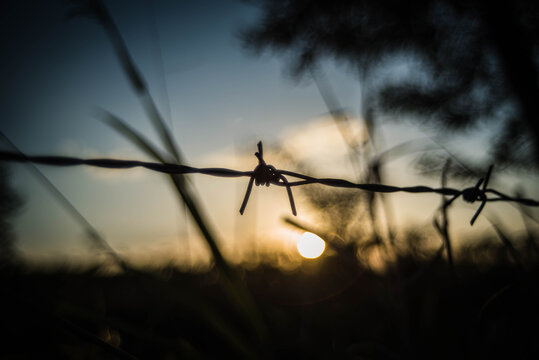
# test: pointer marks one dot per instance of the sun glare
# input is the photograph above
(310, 246)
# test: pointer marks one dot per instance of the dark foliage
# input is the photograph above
(466, 61)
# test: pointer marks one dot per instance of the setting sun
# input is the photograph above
(311, 246)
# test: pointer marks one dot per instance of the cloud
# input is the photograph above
(318, 138)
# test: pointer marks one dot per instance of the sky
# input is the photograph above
(219, 101)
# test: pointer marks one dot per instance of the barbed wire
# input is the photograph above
(265, 174)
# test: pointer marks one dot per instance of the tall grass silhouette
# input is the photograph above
(234, 287)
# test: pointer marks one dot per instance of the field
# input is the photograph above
(417, 308)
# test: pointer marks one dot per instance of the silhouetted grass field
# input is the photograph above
(416, 309)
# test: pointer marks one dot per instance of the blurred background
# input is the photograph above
(219, 99)
(430, 93)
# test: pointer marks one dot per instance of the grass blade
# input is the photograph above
(233, 285)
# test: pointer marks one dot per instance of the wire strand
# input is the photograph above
(265, 174)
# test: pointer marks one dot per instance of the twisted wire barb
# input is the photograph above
(265, 174)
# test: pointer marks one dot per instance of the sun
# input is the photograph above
(310, 245)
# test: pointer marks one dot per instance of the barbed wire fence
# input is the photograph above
(265, 174)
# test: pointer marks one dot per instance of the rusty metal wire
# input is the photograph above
(265, 174)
